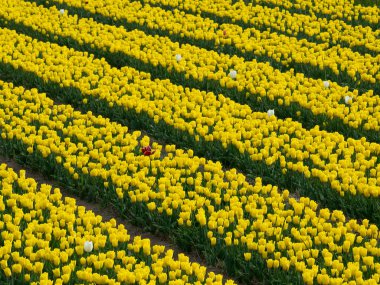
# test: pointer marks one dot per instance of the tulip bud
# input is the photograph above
(347, 99)
(233, 74)
(88, 246)
(270, 112)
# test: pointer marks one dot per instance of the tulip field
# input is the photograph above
(246, 131)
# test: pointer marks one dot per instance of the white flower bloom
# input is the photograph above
(326, 84)
(62, 11)
(178, 57)
(270, 113)
(347, 99)
(233, 74)
(88, 246)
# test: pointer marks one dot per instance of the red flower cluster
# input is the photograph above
(147, 150)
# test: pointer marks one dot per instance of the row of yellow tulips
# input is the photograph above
(317, 28)
(288, 51)
(336, 9)
(349, 167)
(189, 195)
(360, 112)
(45, 240)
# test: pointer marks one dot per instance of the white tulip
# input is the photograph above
(326, 84)
(62, 11)
(347, 99)
(233, 74)
(88, 246)
(178, 57)
(270, 113)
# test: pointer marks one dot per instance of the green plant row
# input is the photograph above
(329, 16)
(143, 114)
(281, 26)
(282, 63)
(50, 240)
(118, 189)
(255, 229)
(162, 71)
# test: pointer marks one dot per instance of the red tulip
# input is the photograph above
(147, 150)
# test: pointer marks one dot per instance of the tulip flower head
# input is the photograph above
(347, 99)
(178, 57)
(88, 246)
(62, 11)
(233, 74)
(147, 150)
(224, 33)
(270, 112)
(326, 84)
